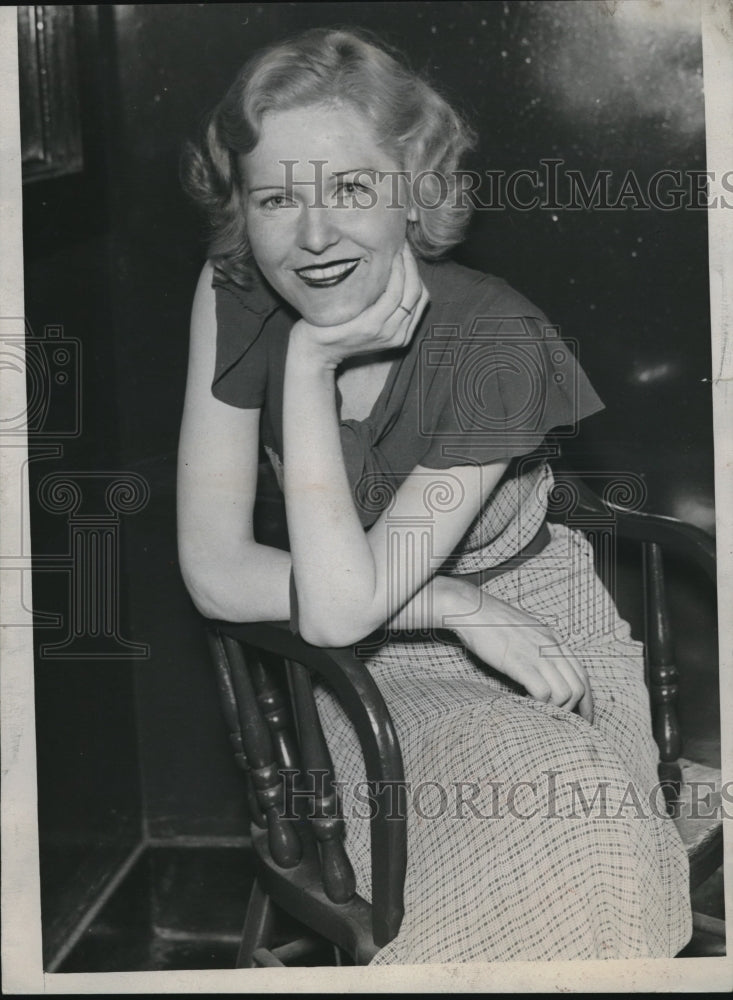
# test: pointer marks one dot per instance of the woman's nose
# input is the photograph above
(317, 230)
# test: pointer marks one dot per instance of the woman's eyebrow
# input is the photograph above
(267, 187)
(295, 183)
(354, 170)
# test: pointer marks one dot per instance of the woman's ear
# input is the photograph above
(406, 192)
(413, 215)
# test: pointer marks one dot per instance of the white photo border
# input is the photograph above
(21, 924)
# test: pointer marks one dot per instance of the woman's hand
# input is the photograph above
(516, 644)
(387, 324)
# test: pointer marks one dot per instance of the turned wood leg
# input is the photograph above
(258, 926)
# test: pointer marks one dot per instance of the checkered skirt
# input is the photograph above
(532, 834)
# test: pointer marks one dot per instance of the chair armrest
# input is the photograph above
(365, 707)
(673, 535)
(684, 539)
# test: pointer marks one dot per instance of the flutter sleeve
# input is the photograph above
(495, 386)
(240, 373)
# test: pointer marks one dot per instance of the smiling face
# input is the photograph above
(323, 227)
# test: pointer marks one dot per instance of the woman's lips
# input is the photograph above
(327, 275)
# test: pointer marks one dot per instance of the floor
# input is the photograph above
(181, 908)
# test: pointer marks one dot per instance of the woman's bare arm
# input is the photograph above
(227, 573)
(350, 582)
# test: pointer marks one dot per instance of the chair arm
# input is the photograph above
(672, 534)
(365, 707)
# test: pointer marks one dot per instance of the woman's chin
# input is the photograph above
(331, 314)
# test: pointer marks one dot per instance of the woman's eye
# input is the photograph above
(275, 201)
(350, 189)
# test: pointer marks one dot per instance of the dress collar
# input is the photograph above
(257, 298)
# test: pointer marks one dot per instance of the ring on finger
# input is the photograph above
(408, 311)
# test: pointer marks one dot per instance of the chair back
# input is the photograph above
(265, 676)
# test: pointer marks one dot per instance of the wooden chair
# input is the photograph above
(265, 681)
(264, 674)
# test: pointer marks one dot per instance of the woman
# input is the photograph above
(403, 401)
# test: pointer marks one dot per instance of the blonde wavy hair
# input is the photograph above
(420, 130)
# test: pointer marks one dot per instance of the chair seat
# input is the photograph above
(699, 818)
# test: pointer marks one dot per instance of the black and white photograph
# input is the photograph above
(366, 476)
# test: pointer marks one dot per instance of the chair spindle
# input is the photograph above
(276, 710)
(283, 840)
(663, 675)
(326, 821)
(229, 708)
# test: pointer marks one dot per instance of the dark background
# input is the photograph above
(133, 751)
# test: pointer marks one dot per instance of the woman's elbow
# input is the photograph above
(335, 632)
(202, 579)
(201, 592)
(329, 637)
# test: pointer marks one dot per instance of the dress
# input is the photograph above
(532, 834)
